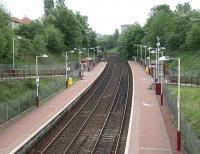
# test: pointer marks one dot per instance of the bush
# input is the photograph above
(55, 40)
(193, 37)
(39, 44)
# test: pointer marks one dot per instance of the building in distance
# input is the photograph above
(125, 27)
(15, 22)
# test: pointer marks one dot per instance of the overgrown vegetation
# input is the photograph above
(58, 31)
(11, 90)
(189, 105)
(179, 31)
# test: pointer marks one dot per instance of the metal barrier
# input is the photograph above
(11, 109)
(17, 74)
(185, 80)
(191, 142)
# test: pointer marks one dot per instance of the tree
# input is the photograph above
(133, 36)
(29, 31)
(24, 48)
(193, 37)
(55, 40)
(84, 27)
(65, 20)
(160, 8)
(116, 37)
(92, 38)
(158, 24)
(177, 33)
(48, 7)
(60, 2)
(5, 37)
(39, 44)
(183, 9)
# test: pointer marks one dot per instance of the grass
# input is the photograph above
(53, 59)
(113, 51)
(190, 60)
(11, 90)
(190, 105)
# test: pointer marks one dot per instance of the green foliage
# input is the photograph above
(109, 41)
(29, 31)
(158, 25)
(92, 38)
(39, 44)
(48, 7)
(24, 47)
(60, 2)
(55, 40)
(184, 9)
(177, 33)
(178, 30)
(130, 38)
(65, 20)
(188, 107)
(5, 37)
(193, 37)
(160, 9)
(84, 28)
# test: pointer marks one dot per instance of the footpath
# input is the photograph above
(148, 132)
(17, 131)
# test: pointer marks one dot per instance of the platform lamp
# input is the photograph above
(67, 68)
(167, 58)
(13, 57)
(150, 52)
(37, 78)
(141, 53)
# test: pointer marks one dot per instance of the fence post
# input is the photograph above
(7, 114)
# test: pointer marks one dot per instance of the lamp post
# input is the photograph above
(67, 69)
(150, 52)
(166, 58)
(13, 57)
(160, 67)
(145, 55)
(37, 78)
(141, 53)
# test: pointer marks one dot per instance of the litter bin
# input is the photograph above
(70, 81)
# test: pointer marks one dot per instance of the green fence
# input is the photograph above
(11, 109)
(190, 140)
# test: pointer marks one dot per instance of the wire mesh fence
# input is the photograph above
(191, 142)
(12, 108)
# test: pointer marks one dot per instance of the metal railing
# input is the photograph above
(185, 80)
(191, 142)
(29, 72)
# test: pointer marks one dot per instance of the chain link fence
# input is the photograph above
(191, 142)
(11, 109)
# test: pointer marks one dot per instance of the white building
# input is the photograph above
(125, 28)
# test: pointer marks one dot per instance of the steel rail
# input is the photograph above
(122, 122)
(88, 117)
(60, 132)
(106, 122)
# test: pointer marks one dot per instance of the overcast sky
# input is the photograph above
(104, 16)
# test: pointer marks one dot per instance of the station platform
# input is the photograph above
(147, 129)
(18, 130)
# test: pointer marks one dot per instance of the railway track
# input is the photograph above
(97, 123)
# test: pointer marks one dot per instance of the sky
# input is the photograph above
(104, 16)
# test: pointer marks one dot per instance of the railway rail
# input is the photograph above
(98, 123)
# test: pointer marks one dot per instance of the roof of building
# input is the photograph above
(25, 21)
(15, 19)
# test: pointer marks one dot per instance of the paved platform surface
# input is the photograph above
(16, 131)
(147, 131)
